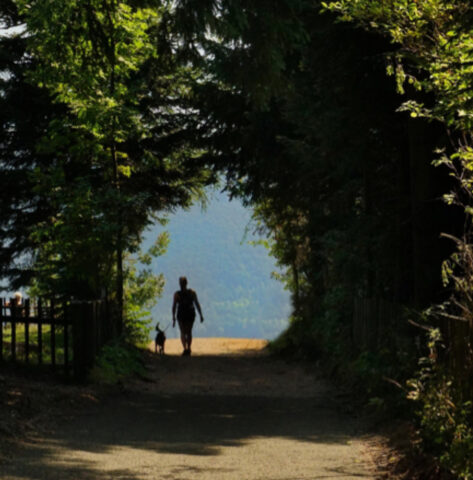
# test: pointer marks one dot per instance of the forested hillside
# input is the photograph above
(232, 278)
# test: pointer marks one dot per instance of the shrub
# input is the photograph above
(116, 362)
(445, 418)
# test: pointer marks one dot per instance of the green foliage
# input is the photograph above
(116, 362)
(105, 149)
(435, 57)
(103, 44)
(322, 166)
(25, 113)
(226, 40)
(297, 341)
(436, 40)
(142, 289)
(142, 104)
(445, 417)
(323, 161)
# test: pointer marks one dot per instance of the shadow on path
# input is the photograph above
(151, 435)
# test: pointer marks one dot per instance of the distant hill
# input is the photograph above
(232, 278)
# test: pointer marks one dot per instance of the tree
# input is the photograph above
(116, 155)
(142, 289)
(25, 114)
(102, 44)
(435, 58)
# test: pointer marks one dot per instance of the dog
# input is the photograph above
(159, 340)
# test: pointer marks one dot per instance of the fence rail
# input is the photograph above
(73, 332)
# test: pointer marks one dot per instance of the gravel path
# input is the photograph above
(229, 412)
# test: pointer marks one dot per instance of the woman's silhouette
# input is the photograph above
(184, 301)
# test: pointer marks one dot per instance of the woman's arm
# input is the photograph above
(197, 304)
(174, 306)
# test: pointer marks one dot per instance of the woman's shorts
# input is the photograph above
(186, 322)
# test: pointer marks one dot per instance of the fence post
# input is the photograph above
(92, 329)
(2, 303)
(13, 328)
(27, 329)
(66, 320)
(53, 333)
(81, 315)
(75, 314)
(40, 331)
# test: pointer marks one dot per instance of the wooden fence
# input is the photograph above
(374, 321)
(65, 335)
(378, 323)
(458, 339)
(93, 326)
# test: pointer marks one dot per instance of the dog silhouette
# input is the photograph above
(159, 341)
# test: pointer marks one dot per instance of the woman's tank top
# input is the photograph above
(185, 304)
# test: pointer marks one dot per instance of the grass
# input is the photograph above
(34, 345)
(116, 362)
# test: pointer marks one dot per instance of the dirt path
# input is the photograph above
(227, 413)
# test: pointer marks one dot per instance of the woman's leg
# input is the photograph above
(182, 329)
(190, 324)
(183, 339)
(189, 338)
(185, 326)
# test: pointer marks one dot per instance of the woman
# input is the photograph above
(184, 301)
